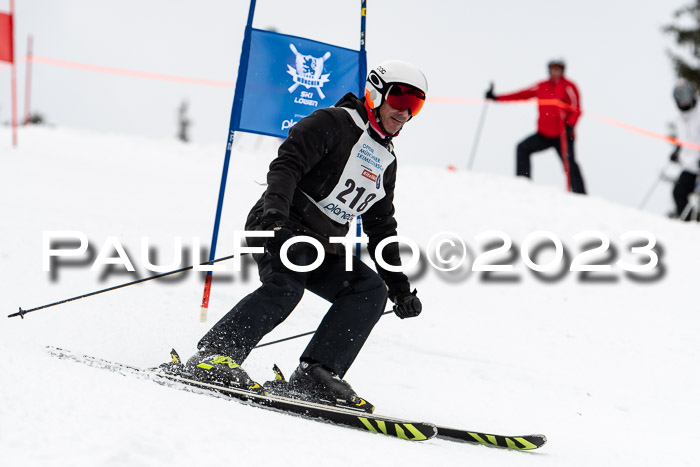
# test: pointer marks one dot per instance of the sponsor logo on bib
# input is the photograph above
(369, 175)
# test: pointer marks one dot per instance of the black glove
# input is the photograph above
(278, 224)
(674, 154)
(489, 93)
(407, 304)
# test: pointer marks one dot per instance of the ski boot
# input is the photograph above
(219, 369)
(315, 383)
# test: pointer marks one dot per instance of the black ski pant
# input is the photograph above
(358, 299)
(684, 186)
(539, 142)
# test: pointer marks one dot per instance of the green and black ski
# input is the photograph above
(404, 429)
(399, 428)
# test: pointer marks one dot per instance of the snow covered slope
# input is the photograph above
(604, 364)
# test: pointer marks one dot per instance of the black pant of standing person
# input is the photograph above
(539, 142)
(683, 187)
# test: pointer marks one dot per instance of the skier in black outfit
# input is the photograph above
(335, 164)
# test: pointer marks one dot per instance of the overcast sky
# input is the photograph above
(615, 51)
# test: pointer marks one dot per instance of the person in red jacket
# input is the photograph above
(560, 109)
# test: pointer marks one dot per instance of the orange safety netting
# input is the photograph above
(432, 99)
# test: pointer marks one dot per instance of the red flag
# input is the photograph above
(6, 54)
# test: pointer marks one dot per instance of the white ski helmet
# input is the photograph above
(393, 72)
(685, 95)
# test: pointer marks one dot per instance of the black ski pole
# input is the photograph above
(479, 127)
(22, 312)
(301, 335)
(662, 176)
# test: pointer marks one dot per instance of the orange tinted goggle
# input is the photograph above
(402, 97)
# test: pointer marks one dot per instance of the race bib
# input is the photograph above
(361, 183)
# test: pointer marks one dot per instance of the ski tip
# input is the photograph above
(517, 443)
(526, 443)
(174, 357)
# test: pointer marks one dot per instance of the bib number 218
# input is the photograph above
(360, 191)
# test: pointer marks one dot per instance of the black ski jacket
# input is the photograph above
(309, 166)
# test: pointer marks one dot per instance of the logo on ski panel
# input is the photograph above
(308, 72)
(290, 77)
